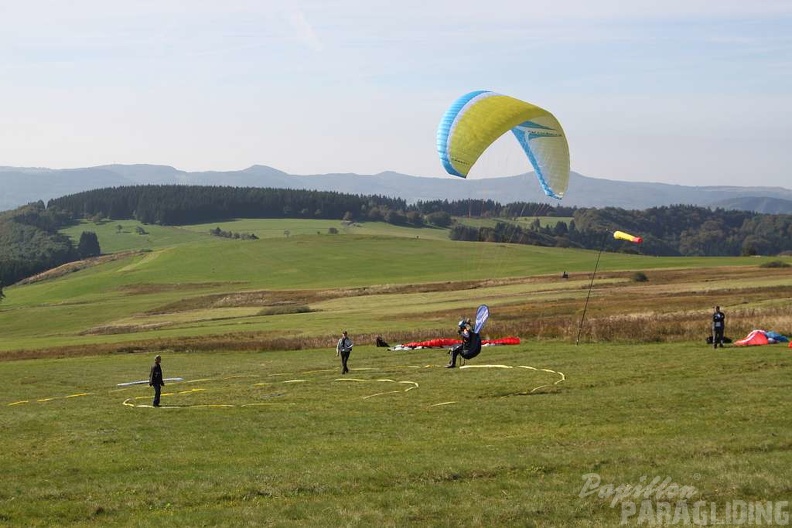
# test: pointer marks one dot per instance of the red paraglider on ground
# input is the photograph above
(449, 342)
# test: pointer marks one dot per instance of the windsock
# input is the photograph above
(621, 235)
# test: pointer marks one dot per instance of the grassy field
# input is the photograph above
(281, 439)
(522, 221)
(190, 290)
(263, 430)
(124, 235)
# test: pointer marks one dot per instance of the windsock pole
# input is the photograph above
(585, 307)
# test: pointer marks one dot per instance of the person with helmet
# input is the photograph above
(465, 332)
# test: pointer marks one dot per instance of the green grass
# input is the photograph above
(241, 443)
(112, 239)
(287, 227)
(269, 437)
(544, 221)
(522, 221)
(123, 235)
(187, 284)
(76, 306)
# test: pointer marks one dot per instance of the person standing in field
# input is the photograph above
(718, 327)
(343, 349)
(155, 380)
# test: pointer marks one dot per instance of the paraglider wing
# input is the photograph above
(501, 341)
(621, 235)
(446, 343)
(477, 119)
(482, 314)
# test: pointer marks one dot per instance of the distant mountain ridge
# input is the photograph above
(24, 185)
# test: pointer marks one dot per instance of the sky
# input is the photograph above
(690, 92)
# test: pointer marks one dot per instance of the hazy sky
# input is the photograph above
(694, 92)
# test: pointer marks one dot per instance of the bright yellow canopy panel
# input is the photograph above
(477, 119)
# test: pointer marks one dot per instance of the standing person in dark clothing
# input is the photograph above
(343, 349)
(155, 380)
(718, 326)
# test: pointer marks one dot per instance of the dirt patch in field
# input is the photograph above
(124, 329)
(269, 298)
(149, 288)
(253, 341)
(71, 267)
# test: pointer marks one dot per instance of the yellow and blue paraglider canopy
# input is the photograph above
(477, 119)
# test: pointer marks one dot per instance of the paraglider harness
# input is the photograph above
(470, 346)
(471, 337)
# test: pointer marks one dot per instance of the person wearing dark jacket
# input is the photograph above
(465, 332)
(155, 380)
(718, 327)
(343, 349)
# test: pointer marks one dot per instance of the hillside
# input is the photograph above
(762, 204)
(182, 288)
(24, 185)
(31, 243)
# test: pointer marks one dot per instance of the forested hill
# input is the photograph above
(30, 241)
(182, 205)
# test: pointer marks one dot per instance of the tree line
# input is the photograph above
(30, 241)
(680, 230)
(192, 204)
